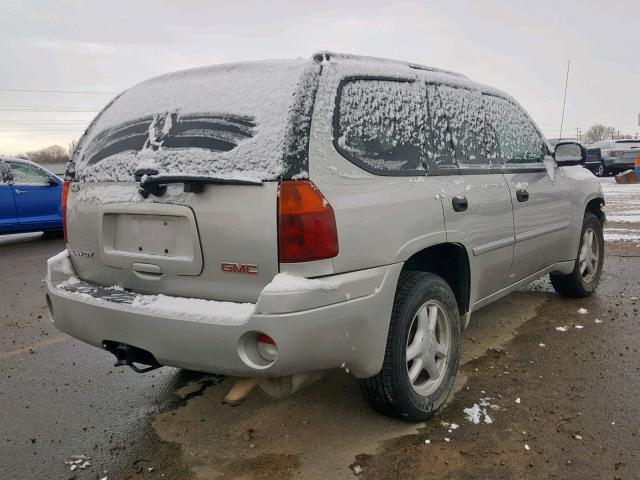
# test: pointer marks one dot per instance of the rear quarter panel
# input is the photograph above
(380, 220)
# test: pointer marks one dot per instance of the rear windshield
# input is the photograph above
(226, 121)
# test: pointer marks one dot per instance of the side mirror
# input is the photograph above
(53, 182)
(570, 153)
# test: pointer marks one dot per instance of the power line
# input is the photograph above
(45, 109)
(83, 92)
(41, 124)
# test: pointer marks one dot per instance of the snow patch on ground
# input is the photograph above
(583, 311)
(619, 237)
(476, 414)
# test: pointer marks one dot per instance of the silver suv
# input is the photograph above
(616, 155)
(272, 220)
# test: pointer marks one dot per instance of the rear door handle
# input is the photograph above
(18, 191)
(522, 195)
(460, 204)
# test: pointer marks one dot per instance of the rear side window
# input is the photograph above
(518, 139)
(25, 174)
(459, 133)
(5, 173)
(379, 125)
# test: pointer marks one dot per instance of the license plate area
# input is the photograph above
(159, 235)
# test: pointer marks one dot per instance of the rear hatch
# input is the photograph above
(175, 187)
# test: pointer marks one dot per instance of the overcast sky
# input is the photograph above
(521, 47)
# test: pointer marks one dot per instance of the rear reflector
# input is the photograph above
(65, 193)
(306, 223)
(266, 347)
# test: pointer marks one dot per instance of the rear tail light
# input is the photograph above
(266, 347)
(306, 223)
(65, 193)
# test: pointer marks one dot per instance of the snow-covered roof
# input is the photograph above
(326, 55)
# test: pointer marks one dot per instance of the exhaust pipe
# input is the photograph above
(130, 355)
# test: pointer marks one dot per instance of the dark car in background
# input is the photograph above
(30, 197)
(594, 161)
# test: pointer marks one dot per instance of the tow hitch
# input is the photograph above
(130, 355)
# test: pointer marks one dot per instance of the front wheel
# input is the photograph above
(585, 277)
(422, 353)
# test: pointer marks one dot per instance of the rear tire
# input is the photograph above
(422, 353)
(602, 170)
(587, 271)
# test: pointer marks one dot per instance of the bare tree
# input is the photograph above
(598, 132)
(52, 154)
(72, 146)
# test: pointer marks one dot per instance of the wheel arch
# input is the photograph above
(595, 206)
(449, 261)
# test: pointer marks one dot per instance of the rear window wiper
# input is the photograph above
(157, 186)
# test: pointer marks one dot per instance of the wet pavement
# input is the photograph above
(562, 404)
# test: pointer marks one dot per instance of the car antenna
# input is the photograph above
(564, 102)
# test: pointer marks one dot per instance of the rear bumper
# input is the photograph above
(314, 330)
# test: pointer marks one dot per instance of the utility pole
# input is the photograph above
(564, 102)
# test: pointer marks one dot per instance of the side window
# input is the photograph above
(518, 139)
(25, 174)
(5, 173)
(459, 133)
(379, 125)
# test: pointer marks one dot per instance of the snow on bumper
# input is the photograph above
(317, 324)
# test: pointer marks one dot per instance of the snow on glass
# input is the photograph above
(381, 123)
(402, 125)
(241, 107)
(5, 173)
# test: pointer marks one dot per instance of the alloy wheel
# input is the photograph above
(428, 345)
(589, 255)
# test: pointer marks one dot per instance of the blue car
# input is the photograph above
(30, 197)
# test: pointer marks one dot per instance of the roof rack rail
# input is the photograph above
(325, 55)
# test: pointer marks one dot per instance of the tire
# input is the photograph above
(52, 234)
(585, 277)
(422, 301)
(602, 170)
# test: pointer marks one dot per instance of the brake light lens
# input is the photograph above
(65, 193)
(306, 223)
